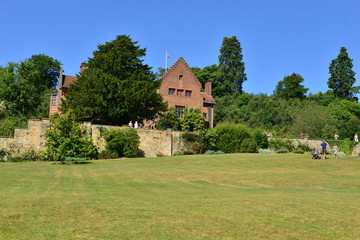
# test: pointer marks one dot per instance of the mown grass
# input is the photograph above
(232, 196)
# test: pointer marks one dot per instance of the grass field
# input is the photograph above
(232, 196)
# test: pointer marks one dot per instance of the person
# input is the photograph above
(136, 125)
(356, 137)
(335, 150)
(323, 146)
(336, 137)
(130, 124)
(302, 135)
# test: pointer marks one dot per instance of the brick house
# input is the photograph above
(63, 88)
(181, 89)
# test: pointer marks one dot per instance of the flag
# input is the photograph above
(167, 54)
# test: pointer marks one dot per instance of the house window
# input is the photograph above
(180, 111)
(53, 100)
(180, 77)
(171, 91)
(188, 93)
(204, 114)
(180, 92)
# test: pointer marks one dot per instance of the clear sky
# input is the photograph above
(278, 37)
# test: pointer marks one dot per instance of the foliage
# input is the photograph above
(168, 120)
(261, 139)
(66, 138)
(23, 85)
(193, 142)
(299, 150)
(193, 120)
(117, 87)
(8, 125)
(231, 68)
(188, 152)
(213, 152)
(124, 142)
(249, 146)
(342, 77)
(290, 87)
(345, 145)
(280, 145)
(231, 137)
(304, 147)
(107, 154)
(210, 137)
(264, 151)
(208, 73)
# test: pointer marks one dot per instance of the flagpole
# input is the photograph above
(166, 57)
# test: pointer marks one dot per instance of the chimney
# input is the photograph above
(60, 78)
(208, 87)
(83, 67)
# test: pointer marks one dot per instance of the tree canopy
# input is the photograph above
(342, 77)
(231, 68)
(290, 87)
(116, 87)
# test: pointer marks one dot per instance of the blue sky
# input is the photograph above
(278, 37)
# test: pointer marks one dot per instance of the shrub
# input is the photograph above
(281, 144)
(304, 147)
(106, 154)
(261, 139)
(264, 151)
(8, 125)
(188, 152)
(209, 152)
(219, 152)
(66, 138)
(249, 146)
(193, 142)
(178, 153)
(299, 150)
(210, 138)
(231, 137)
(282, 150)
(346, 145)
(123, 142)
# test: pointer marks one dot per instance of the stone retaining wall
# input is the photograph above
(152, 142)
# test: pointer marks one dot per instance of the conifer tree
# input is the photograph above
(116, 87)
(342, 77)
(231, 67)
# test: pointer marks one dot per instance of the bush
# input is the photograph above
(345, 145)
(249, 146)
(178, 153)
(106, 154)
(282, 150)
(122, 142)
(66, 138)
(231, 137)
(304, 147)
(264, 151)
(299, 150)
(210, 138)
(8, 125)
(281, 144)
(188, 152)
(193, 142)
(261, 139)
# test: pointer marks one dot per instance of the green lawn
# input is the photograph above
(232, 196)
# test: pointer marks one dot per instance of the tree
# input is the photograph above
(117, 87)
(342, 77)
(25, 87)
(290, 87)
(231, 68)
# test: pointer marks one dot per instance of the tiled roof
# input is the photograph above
(207, 98)
(67, 80)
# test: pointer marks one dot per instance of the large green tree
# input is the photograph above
(25, 87)
(290, 87)
(342, 77)
(231, 68)
(117, 87)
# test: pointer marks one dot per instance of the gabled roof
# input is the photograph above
(176, 64)
(67, 80)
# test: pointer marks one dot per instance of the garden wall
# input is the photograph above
(152, 142)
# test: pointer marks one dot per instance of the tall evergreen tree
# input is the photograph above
(231, 67)
(342, 77)
(290, 87)
(117, 87)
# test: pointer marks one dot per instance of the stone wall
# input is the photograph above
(152, 142)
